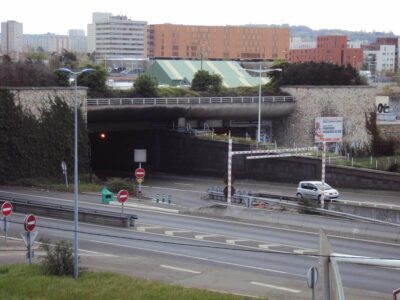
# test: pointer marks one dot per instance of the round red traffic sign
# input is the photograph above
(6, 209)
(122, 196)
(140, 173)
(30, 223)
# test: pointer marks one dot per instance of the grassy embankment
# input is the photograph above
(30, 282)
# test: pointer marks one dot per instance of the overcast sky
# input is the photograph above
(42, 16)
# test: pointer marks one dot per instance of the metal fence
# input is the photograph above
(185, 100)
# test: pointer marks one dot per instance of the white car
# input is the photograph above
(313, 190)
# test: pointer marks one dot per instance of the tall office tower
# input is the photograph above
(11, 39)
(117, 37)
(78, 40)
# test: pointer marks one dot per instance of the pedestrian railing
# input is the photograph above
(185, 100)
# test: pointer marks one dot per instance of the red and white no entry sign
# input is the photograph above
(30, 223)
(140, 173)
(6, 209)
(122, 196)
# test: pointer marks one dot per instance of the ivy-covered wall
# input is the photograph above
(34, 145)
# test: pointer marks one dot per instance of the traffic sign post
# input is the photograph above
(140, 173)
(312, 278)
(65, 172)
(6, 211)
(122, 197)
(29, 225)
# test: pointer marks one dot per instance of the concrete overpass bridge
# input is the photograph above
(217, 112)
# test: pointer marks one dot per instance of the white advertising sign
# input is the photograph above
(328, 129)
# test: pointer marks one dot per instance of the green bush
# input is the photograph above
(117, 184)
(89, 178)
(59, 258)
(305, 205)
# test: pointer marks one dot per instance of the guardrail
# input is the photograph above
(67, 212)
(185, 100)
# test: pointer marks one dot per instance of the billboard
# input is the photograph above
(328, 129)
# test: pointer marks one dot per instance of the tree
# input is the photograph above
(203, 81)
(146, 86)
(95, 81)
(312, 73)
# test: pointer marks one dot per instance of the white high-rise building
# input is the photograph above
(11, 38)
(112, 37)
(380, 58)
(78, 40)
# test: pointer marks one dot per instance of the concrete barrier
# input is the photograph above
(86, 215)
(342, 227)
(386, 213)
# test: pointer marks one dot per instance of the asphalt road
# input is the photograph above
(185, 189)
(239, 257)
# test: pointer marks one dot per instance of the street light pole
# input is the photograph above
(260, 71)
(74, 75)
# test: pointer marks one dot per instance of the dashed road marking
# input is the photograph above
(180, 269)
(234, 241)
(172, 232)
(203, 236)
(281, 288)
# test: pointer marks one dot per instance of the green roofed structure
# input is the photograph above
(181, 72)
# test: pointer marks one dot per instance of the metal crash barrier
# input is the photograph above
(60, 211)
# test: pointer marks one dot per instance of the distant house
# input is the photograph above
(181, 72)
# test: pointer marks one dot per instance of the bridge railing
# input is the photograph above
(185, 100)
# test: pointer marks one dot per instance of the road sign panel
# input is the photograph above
(122, 196)
(312, 277)
(140, 173)
(6, 209)
(139, 180)
(29, 223)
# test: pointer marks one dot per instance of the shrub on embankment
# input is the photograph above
(35, 146)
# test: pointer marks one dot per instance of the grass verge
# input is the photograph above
(31, 282)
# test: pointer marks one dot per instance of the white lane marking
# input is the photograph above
(202, 236)
(179, 269)
(95, 253)
(234, 241)
(304, 251)
(115, 203)
(281, 288)
(144, 228)
(267, 246)
(214, 220)
(186, 184)
(172, 232)
(195, 257)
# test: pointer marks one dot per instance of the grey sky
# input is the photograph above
(42, 16)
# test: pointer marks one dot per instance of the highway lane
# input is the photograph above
(249, 236)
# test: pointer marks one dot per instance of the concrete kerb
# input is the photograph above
(310, 222)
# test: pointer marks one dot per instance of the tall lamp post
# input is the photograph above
(75, 75)
(260, 71)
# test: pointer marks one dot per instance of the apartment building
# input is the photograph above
(382, 56)
(11, 39)
(248, 42)
(113, 37)
(331, 49)
(380, 59)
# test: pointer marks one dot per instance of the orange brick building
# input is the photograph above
(331, 49)
(218, 42)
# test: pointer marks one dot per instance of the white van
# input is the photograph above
(313, 190)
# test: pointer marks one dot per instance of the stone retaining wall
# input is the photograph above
(349, 102)
(35, 98)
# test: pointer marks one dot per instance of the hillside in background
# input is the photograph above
(309, 34)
